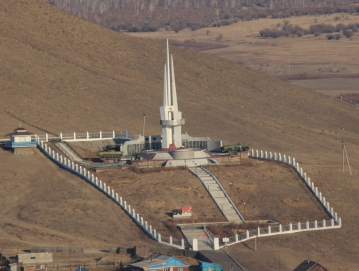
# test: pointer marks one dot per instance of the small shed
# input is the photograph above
(159, 262)
(35, 258)
(185, 211)
(21, 138)
(210, 266)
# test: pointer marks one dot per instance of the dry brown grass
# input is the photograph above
(290, 58)
(63, 74)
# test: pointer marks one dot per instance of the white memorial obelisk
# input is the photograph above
(171, 118)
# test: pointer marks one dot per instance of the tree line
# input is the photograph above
(150, 15)
(289, 30)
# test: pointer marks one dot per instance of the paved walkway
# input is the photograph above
(204, 243)
(218, 194)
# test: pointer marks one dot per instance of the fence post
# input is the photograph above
(258, 232)
(284, 158)
(195, 245)
(100, 134)
(74, 135)
(216, 243)
(236, 236)
(275, 156)
(159, 238)
(261, 154)
(247, 234)
(280, 228)
(117, 197)
(266, 155)
(182, 243)
(113, 134)
(290, 227)
(146, 226)
(87, 135)
(171, 240)
(280, 157)
(315, 224)
(121, 201)
(150, 229)
(307, 225)
(269, 230)
(299, 226)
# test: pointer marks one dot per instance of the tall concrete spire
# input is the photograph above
(171, 118)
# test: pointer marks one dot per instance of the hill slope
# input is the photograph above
(63, 74)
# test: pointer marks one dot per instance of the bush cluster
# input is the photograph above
(289, 30)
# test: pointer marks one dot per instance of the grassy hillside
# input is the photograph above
(63, 74)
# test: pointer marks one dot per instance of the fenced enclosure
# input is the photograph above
(334, 223)
(85, 174)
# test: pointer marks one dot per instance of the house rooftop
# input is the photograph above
(20, 131)
(156, 259)
(308, 265)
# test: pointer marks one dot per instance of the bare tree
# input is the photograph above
(102, 6)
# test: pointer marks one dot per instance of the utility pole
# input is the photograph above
(255, 243)
(144, 122)
(345, 155)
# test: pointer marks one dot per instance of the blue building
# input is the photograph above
(21, 138)
(158, 262)
(210, 266)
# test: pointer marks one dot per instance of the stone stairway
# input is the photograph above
(218, 194)
(204, 243)
(68, 152)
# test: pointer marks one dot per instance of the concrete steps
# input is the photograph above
(69, 153)
(218, 194)
(204, 243)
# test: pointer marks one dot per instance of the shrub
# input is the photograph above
(330, 36)
(348, 33)
(337, 36)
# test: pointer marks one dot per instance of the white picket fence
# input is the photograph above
(334, 223)
(100, 135)
(109, 192)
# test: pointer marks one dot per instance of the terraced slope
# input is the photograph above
(62, 74)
